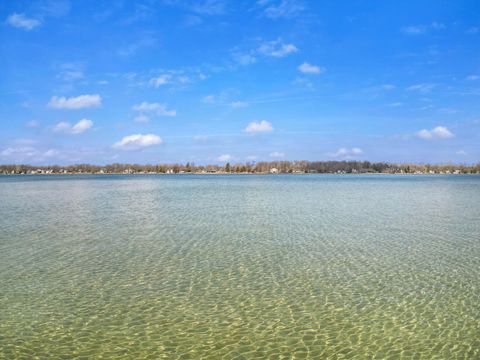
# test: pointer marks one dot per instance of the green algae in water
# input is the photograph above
(243, 267)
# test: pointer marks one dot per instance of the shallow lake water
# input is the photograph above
(240, 266)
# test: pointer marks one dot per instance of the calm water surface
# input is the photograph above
(190, 267)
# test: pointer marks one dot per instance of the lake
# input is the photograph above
(240, 266)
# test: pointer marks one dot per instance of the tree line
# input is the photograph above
(297, 167)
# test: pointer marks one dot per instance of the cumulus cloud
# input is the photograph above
(154, 108)
(307, 68)
(137, 141)
(78, 102)
(78, 128)
(439, 132)
(277, 154)
(258, 127)
(224, 158)
(277, 48)
(346, 153)
(22, 22)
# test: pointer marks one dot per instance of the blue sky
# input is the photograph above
(212, 81)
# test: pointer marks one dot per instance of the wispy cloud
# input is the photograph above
(78, 128)
(307, 68)
(259, 127)
(422, 88)
(225, 157)
(422, 29)
(244, 58)
(209, 7)
(154, 108)
(346, 153)
(70, 72)
(134, 47)
(277, 48)
(439, 132)
(32, 124)
(160, 80)
(27, 153)
(472, 77)
(239, 104)
(277, 154)
(142, 119)
(22, 22)
(78, 102)
(209, 99)
(276, 9)
(137, 141)
(201, 7)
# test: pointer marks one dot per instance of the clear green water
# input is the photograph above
(269, 267)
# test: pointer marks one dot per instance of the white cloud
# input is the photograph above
(209, 99)
(277, 154)
(461, 152)
(414, 30)
(27, 152)
(51, 152)
(251, 157)
(137, 141)
(239, 104)
(422, 29)
(78, 128)
(78, 102)
(257, 127)
(387, 87)
(395, 104)
(82, 126)
(22, 22)
(281, 8)
(155, 108)
(70, 71)
(142, 119)
(307, 68)
(439, 132)
(32, 124)
(244, 59)
(225, 158)
(277, 48)
(472, 77)
(346, 153)
(200, 138)
(161, 80)
(422, 88)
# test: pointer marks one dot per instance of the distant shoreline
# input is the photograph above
(273, 167)
(223, 173)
